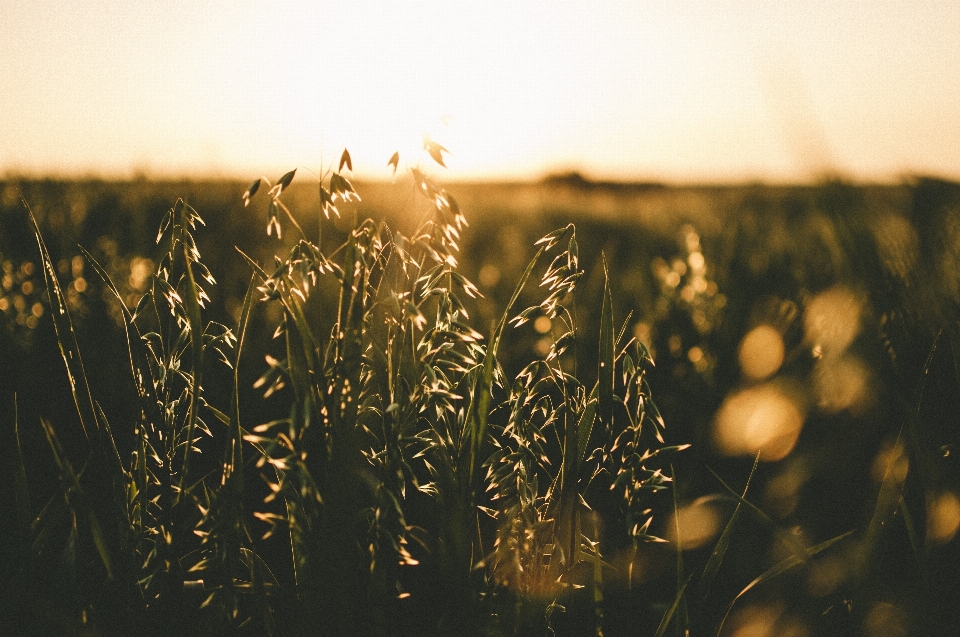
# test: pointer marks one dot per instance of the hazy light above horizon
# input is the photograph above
(651, 89)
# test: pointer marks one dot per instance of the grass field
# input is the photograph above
(348, 433)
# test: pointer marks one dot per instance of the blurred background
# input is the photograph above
(774, 187)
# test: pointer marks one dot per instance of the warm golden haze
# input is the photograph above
(697, 90)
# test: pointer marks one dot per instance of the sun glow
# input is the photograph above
(623, 90)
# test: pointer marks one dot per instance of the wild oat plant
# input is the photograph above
(405, 441)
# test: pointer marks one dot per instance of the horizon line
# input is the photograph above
(575, 178)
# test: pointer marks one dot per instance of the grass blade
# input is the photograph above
(798, 549)
(681, 583)
(585, 426)
(607, 354)
(668, 616)
(67, 341)
(139, 364)
(20, 491)
(720, 550)
(236, 457)
(192, 301)
(481, 408)
(76, 496)
(568, 523)
(911, 531)
(779, 568)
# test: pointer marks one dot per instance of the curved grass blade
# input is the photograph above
(607, 355)
(20, 491)
(76, 497)
(192, 301)
(67, 341)
(481, 409)
(585, 425)
(668, 616)
(236, 453)
(684, 621)
(911, 531)
(260, 272)
(139, 363)
(113, 443)
(576, 433)
(799, 550)
(779, 568)
(720, 550)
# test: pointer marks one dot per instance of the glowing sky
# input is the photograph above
(647, 89)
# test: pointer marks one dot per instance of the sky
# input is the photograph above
(672, 90)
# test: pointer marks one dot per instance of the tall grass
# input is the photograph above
(421, 473)
(404, 441)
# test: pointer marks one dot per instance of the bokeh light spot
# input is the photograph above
(675, 345)
(695, 355)
(885, 620)
(489, 275)
(763, 419)
(691, 238)
(699, 284)
(832, 320)
(542, 324)
(698, 522)
(140, 272)
(643, 332)
(761, 352)
(76, 266)
(825, 576)
(890, 460)
(943, 518)
(841, 382)
(543, 346)
(757, 621)
(782, 493)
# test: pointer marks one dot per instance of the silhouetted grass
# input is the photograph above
(421, 464)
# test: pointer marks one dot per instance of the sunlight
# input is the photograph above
(624, 90)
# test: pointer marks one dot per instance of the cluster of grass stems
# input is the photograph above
(392, 395)
(412, 485)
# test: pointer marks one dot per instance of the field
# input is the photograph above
(724, 410)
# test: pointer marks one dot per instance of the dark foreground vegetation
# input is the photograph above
(375, 419)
